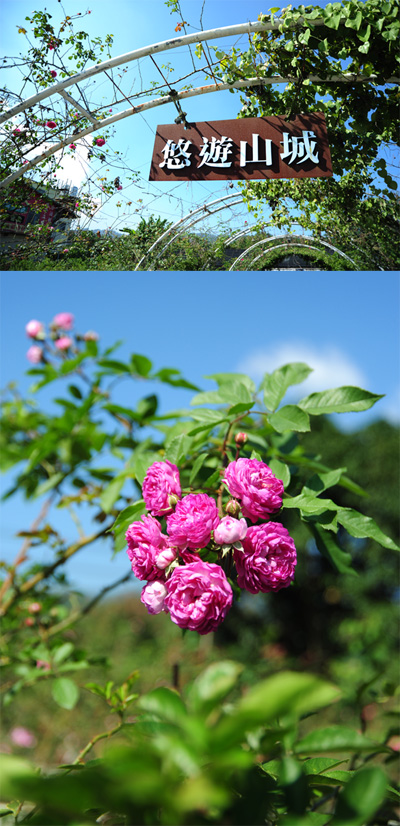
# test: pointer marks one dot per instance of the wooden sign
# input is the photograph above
(242, 149)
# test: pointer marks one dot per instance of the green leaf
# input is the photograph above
(329, 548)
(213, 685)
(362, 526)
(111, 493)
(230, 393)
(277, 383)
(318, 765)
(209, 416)
(141, 364)
(339, 400)
(65, 692)
(141, 462)
(280, 470)
(289, 417)
(165, 704)
(228, 378)
(310, 505)
(48, 484)
(271, 698)
(361, 797)
(74, 390)
(320, 482)
(70, 365)
(197, 464)
(62, 652)
(177, 449)
(129, 515)
(114, 366)
(334, 738)
(240, 408)
(14, 771)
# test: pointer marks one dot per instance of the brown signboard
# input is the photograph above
(242, 149)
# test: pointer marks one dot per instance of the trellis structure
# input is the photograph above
(154, 49)
(99, 123)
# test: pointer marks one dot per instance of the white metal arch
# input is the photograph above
(300, 242)
(204, 208)
(155, 48)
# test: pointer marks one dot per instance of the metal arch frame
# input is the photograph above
(181, 221)
(200, 90)
(287, 244)
(155, 48)
(252, 227)
(192, 223)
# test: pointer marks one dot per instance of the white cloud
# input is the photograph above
(331, 366)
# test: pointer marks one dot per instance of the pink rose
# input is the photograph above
(153, 596)
(34, 354)
(164, 558)
(64, 320)
(268, 559)
(72, 145)
(230, 530)
(34, 328)
(256, 487)
(161, 480)
(195, 517)
(22, 737)
(35, 607)
(50, 123)
(99, 142)
(63, 343)
(145, 542)
(199, 596)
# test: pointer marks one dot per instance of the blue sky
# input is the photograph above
(345, 325)
(135, 24)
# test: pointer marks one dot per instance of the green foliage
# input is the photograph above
(243, 741)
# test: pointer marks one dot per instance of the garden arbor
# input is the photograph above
(340, 60)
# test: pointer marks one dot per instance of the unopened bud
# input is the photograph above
(34, 607)
(240, 439)
(164, 558)
(173, 499)
(232, 507)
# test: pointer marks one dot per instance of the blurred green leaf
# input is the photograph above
(65, 692)
(49, 484)
(361, 797)
(165, 704)
(334, 738)
(111, 493)
(213, 685)
(141, 364)
(62, 652)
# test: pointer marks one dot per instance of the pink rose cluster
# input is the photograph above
(62, 323)
(197, 594)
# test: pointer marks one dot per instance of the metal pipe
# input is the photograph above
(289, 244)
(182, 220)
(200, 90)
(161, 46)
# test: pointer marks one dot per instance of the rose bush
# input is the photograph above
(206, 514)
